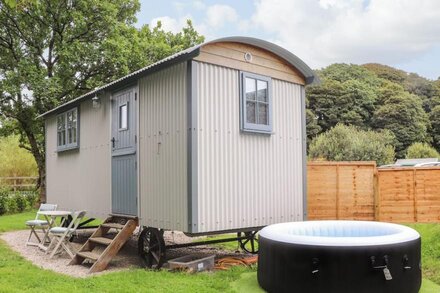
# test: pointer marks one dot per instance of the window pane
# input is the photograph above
(60, 122)
(63, 138)
(69, 119)
(263, 117)
(123, 116)
(73, 135)
(250, 112)
(262, 91)
(59, 139)
(73, 126)
(250, 88)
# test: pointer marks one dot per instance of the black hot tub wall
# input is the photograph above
(287, 267)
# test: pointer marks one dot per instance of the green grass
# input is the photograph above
(430, 250)
(16, 221)
(18, 274)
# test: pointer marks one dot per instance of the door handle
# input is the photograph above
(113, 142)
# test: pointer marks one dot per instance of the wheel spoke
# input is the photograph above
(156, 257)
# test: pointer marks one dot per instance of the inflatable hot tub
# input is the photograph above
(339, 256)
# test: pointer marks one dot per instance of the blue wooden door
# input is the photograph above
(123, 143)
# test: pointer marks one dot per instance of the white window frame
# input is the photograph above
(68, 145)
(255, 127)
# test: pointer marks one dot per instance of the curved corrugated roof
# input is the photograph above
(190, 53)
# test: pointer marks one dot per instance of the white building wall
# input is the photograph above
(163, 149)
(80, 179)
(246, 180)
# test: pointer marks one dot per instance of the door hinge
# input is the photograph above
(135, 138)
(135, 96)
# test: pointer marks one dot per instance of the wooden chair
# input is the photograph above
(60, 235)
(37, 223)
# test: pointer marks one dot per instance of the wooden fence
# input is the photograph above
(19, 183)
(360, 191)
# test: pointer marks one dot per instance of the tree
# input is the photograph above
(434, 118)
(387, 72)
(52, 51)
(349, 143)
(344, 72)
(420, 150)
(313, 129)
(404, 116)
(349, 102)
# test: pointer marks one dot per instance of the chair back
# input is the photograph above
(76, 220)
(45, 207)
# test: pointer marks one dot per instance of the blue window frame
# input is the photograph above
(68, 130)
(256, 103)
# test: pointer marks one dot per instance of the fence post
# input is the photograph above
(415, 195)
(337, 191)
(376, 195)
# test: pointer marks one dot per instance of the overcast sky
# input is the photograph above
(401, 33)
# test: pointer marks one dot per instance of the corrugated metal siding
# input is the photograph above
(163, 149)
(246, 180)
(80, 179)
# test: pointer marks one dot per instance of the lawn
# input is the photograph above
(13, 268)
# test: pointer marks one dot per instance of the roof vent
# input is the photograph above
(248, 57)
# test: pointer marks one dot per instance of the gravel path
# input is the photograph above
(127, 257)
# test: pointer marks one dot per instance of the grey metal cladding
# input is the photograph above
(304, 151)
(310, 76)
(192, 146)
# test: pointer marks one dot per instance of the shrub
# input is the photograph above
(3, 201)
(12, 205)
(420, 150)
(349, 143)
(32, 199)
(20, 201)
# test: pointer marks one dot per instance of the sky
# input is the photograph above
(401, 33)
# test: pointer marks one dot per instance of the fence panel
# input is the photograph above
(360, 191)
(341, 190)
(19, 183)
(409, 195)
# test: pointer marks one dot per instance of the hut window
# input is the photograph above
(67, 130)
(123, 116)
(256, 103)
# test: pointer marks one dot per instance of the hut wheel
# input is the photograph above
(151, 246)
(249, 242)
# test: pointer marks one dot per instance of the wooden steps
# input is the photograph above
(88, 255)
(124, 226)
(113, 225)
(102, 240)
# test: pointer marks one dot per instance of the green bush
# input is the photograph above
(20, 202)
(349, 143)
(32, 199)
(420, 150)
(12, 205)
(4, 194)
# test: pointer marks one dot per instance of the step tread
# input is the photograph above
(89, 255)
(101, 240)
(112, 225)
